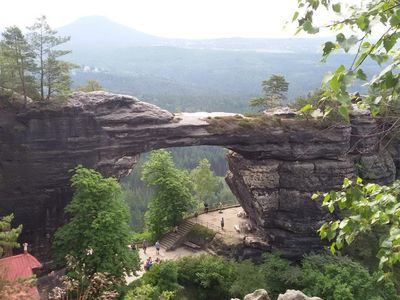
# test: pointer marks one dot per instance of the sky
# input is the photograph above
(193, 19)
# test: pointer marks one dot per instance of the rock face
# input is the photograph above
(274, 168)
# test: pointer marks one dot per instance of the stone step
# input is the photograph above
(171, 240)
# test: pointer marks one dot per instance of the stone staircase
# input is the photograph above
(172, 240)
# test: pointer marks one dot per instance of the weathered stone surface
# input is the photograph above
(257, 295)
(377, 167)
(364, 137)
(295, 295)
(274, 168)
(394, 150)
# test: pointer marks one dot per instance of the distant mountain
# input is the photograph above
(100, 32)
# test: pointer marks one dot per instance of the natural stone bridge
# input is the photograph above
(273, 167)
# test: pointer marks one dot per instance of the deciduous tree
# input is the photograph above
(91, 86)
(172, 192)
(370, 29)
(205, 183)
(97, 234)
(365, 207)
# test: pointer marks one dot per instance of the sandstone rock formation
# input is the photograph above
(257, 295)
(295, 295)
(274, 167)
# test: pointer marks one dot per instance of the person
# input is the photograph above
(145, 244)
(133, 246)
(148, 264)
(158, 246)
(220, 207)
(205, 207)
(222, 223)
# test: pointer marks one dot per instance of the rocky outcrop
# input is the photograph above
(274, 166)
(257, 295)
(295, 295)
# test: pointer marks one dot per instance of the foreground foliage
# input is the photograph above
(366, 207)
(211, 277)
(97, 234)
(370, 28)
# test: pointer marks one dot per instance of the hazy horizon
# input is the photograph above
(180, 19)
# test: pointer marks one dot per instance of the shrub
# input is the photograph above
(279, 274)
(249, 277)
(210, 276)
(339, 278)
(200, 235)
(163, 275)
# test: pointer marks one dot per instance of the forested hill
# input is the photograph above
(190, 75)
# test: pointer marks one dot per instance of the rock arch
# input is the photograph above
(274, 164)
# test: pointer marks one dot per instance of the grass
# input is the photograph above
(259, 122)
(200, 235)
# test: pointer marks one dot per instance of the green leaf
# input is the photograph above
(327, 197)
(379, 58)
(336, 7)
(362, 22)
(332, 248)
(309, 28)
(346, 44)
(331, 207)
(389, 42)
(335, 84)
(344, 112)
(305, 109)
(395, 19)
(361, 75)
(295, 15)
(343, 223)
(328, 48)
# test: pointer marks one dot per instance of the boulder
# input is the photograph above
(295, 295)
(257, 295)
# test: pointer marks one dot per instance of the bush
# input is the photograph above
(139, 237)
(279, 274)
(339, 278)
(210, 276)
(163, 275)
(249, 277)
(200, 235)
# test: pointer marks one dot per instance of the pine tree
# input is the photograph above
(19, 61)
(275, 89)
(53, 73)
(8, 235)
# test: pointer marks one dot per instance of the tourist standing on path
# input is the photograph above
(220, 207)
(145, 244)
(222, 223)
(205, 207)
(158, 246)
